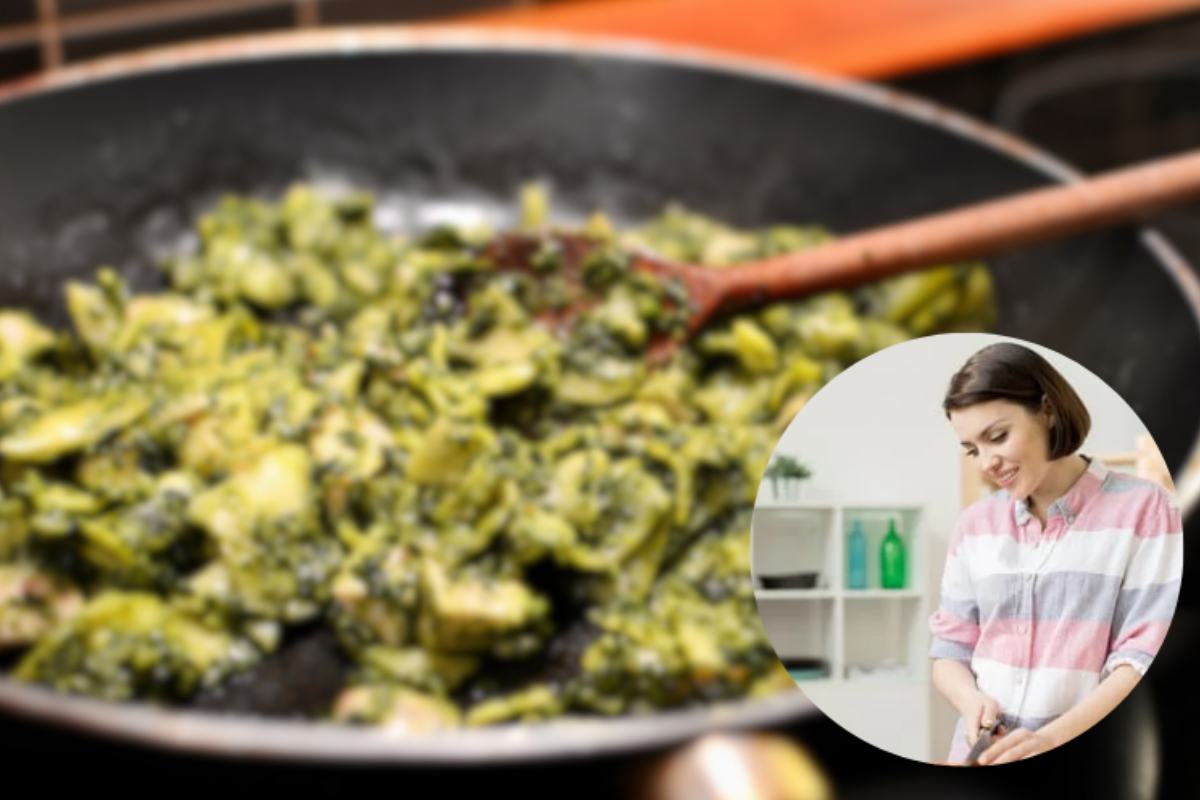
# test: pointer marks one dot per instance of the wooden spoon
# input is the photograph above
(968, 232)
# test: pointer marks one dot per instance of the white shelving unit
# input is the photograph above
(874, 640)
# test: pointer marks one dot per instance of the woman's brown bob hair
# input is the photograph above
(1007, 371)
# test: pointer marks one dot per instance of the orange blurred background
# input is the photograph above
(865, 38)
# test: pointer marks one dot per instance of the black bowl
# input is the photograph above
(790, 580)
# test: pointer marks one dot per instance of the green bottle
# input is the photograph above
(891, 559)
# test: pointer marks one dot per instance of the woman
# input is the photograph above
(1058, 589)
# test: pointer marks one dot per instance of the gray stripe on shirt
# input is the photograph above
(1155, 601)
(1055, 596)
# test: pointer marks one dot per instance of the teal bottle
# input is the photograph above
(856, 572)
(891, 559)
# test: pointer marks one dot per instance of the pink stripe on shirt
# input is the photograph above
(1146, 636)
(952, 627)
(1055, 644)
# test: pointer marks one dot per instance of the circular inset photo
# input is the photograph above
(966, 549)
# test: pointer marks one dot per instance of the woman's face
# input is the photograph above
(1010, 444)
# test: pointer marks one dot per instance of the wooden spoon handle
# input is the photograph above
(973, 231)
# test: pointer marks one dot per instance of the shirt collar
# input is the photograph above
(1068, 506)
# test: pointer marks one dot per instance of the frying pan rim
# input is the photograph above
(247, 737)
(184, 730)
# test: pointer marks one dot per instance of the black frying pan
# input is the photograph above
(112, 161)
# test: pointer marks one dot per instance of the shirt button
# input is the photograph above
(1029, 579)
(1021, 629)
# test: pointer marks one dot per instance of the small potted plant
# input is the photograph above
(789, 472)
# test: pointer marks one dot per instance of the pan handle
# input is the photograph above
(755, 766)
(1188, 486)
(1148, 463)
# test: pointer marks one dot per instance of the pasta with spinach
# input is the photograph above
(315, 422)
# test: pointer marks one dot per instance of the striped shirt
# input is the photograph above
(1041, 616)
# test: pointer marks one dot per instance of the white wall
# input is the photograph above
(877, 433)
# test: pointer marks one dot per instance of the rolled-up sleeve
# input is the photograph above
(954, 626)
(1150, 587)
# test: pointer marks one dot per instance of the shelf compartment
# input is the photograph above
(880, 594)
(766, 504)
(874, 522)
(792, 540)
(883, 636)
(801, 629)
(768, 595)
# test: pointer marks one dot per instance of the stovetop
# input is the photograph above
(1098, 102)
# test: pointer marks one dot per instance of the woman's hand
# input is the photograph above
(1017, 744)
(978, 711)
